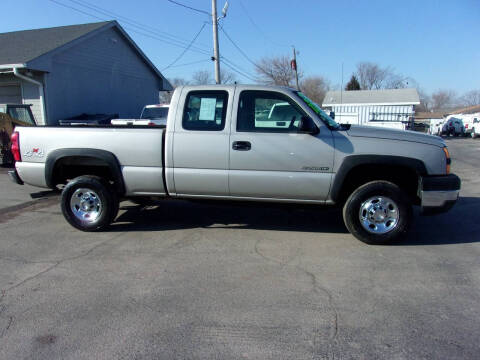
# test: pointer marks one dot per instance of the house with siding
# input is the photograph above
(71, 70)
(393, 108)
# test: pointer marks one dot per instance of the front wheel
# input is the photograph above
(89, 203)
(378, 212)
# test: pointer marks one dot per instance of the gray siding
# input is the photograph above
(101, 74)
(29, 94)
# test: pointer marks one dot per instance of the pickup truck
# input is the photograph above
(215, 148)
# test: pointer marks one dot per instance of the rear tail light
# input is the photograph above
(151, 123)
(448, 161)
(466, 126)
(16, 146)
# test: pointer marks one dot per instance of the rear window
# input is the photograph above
(205, 110)
(22, 114)
(154, 113)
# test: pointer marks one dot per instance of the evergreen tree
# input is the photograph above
(353, 84)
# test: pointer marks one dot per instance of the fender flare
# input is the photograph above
(352, 161)
(109, 158)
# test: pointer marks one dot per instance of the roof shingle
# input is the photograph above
(387, 96)
(19, 47)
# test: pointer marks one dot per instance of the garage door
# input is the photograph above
(10, 94)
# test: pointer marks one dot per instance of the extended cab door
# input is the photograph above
(201, 142)
(269, 156)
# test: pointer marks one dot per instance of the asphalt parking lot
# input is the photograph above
(193, 281)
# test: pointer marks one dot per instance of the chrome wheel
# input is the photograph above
(379, 215)
(86, 205)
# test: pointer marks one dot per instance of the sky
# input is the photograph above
(434, 42)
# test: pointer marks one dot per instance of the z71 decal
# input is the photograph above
(314, 168)
(35, 152)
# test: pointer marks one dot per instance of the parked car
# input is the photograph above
(153, 115)
(453, 126)
(214, 149)
(475, 132)
(436, 126)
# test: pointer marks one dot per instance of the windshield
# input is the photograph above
(322, 114)
(154, 113)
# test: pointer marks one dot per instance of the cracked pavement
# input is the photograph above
(192, 281)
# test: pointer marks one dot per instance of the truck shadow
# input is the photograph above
(179, 214)
(460, 225)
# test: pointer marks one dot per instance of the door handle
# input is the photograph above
(241, 145)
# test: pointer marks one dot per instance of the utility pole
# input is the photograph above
(216, 53)
(294, 66)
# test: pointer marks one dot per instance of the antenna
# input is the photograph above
(341, 88)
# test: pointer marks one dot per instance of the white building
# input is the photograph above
(393, 108)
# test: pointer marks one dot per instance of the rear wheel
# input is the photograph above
(89, 203)
(378, 212)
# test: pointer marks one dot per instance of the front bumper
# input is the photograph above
(13, 175)
(439, 193)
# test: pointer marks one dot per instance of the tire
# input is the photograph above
(385, 203)
(89, 203)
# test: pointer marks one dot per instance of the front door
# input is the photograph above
(270, 158)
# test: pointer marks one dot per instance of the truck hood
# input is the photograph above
(400, 135)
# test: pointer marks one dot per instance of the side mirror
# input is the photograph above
(306, 125)
(332, 114)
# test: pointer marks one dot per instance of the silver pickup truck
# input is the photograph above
(243, 142)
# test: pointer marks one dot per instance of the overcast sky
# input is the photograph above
(434, 42)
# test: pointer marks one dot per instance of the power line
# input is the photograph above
(132, 22)
(154, 36)
(232, 66)
(237, 47)
(189, 7)
(186, 49)
(190, 63)
(258, 27)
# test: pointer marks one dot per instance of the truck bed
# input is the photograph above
(139, 151)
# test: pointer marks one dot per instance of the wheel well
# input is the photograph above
(69, 167)
(403, 176)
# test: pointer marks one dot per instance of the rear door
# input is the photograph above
(269, 157)
(200, 143)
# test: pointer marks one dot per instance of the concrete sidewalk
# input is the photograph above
(13, 195)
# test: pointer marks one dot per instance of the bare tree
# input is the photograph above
(374, 77)
(371, 76)
(227, 77)
(425, 101)
(471, 98)
(315, 87)
(202, 77)
(443, 99)
(275, 71)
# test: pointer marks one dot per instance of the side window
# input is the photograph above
(264, 111)
(205, 111)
